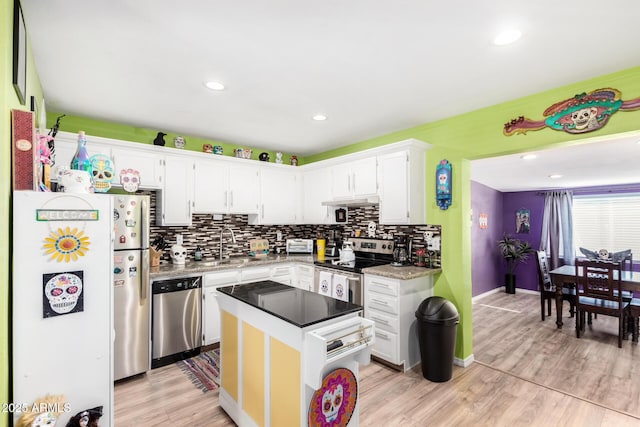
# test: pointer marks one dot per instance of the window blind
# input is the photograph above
(610, 222)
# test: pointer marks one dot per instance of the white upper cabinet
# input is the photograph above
(221, 187)
(280, 198)
(402, 186)
(175, 201)
(149, 166)
(210, 186)
(244, 188)
(354, 178)
(315, 190)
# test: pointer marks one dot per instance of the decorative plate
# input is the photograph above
(332, 405)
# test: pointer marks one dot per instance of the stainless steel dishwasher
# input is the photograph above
(176, 330)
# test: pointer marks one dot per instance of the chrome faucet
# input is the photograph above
(233, 237)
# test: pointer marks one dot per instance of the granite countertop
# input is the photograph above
(405, 272)
(296, 306)
(196, 268)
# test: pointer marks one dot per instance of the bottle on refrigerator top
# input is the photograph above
(80, 160)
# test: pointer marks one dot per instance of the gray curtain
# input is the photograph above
(557, 227)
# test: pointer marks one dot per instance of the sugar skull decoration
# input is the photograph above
(334, 402)
(217, 149)
(130, 180)
(278, 157)
(62, 293)
(371, 229)
(443, 184)
(179, 142)
(86, 418)
(101, 172)
(178, 254)
(207, 148)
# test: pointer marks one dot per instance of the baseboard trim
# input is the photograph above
(463, 362)
(502, 289)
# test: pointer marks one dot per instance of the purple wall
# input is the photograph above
(488, 267)
(527, 272)
(485, 259)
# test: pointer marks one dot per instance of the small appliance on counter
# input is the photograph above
(299, 246)
(333, 244)
(401, 250)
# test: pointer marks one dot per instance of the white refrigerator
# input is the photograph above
(62, 290)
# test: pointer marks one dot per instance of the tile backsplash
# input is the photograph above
(205, 232)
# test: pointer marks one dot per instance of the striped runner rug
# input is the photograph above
(203, 370)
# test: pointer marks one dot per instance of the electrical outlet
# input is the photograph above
(217, 217)
(278, 235)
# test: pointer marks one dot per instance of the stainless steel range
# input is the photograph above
(368, 252)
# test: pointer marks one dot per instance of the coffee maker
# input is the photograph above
(401, 250)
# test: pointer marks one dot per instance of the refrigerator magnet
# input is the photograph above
(133, 271)
(62, 293)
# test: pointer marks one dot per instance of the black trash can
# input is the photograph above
(437, 321)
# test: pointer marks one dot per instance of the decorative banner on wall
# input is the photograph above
(62, 293)
(522, 221)
(483, 221)
(23, 150)
(585, 112)
(443, 184)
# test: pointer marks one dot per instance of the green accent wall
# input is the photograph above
(94, 127)
(8, 101)
(476, 135)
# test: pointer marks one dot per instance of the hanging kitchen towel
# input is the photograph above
(340, 287)
(324, 285)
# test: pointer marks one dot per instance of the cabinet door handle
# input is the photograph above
(379, 301)
(384, 285)
(231, 202)
(263, 211)
(226, 197)
(353, 182)
(349, 182)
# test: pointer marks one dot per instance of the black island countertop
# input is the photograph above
(296, 306)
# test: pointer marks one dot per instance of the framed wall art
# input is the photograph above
(523, 224)
(19, 53)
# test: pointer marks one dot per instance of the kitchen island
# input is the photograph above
(286, 352)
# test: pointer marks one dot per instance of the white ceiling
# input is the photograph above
(593, 162)
(373, 67)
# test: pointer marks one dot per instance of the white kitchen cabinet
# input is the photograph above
(210, 186)
(316, 189)
(210, 308)
(255, 274)
(354, 178)
(402, 186)
(149, 166)
(304, 277)
(226, 187)
(391, 304)
(175, 200)
(283, 273)
(279, 199)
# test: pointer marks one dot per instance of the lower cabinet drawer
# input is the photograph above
(383, 321)
(386, 346)
(381, 302)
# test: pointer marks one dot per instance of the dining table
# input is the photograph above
(630, 281)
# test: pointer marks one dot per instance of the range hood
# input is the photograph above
(353, 203)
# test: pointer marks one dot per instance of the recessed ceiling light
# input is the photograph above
(213, 85)
(555, 176)
(528, 156)
(507, 37)
(319, 117)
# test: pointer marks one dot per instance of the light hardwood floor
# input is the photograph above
(527, 373)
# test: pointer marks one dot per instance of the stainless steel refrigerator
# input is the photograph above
(131, 299)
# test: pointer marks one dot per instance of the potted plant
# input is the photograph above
(514, 251)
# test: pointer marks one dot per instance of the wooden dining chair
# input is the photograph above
(599, 292)
(548, 290)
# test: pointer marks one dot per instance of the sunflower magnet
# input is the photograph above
(66, 244)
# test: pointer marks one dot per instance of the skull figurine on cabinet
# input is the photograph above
(101, 172)
(179, 142)
(178, 254)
